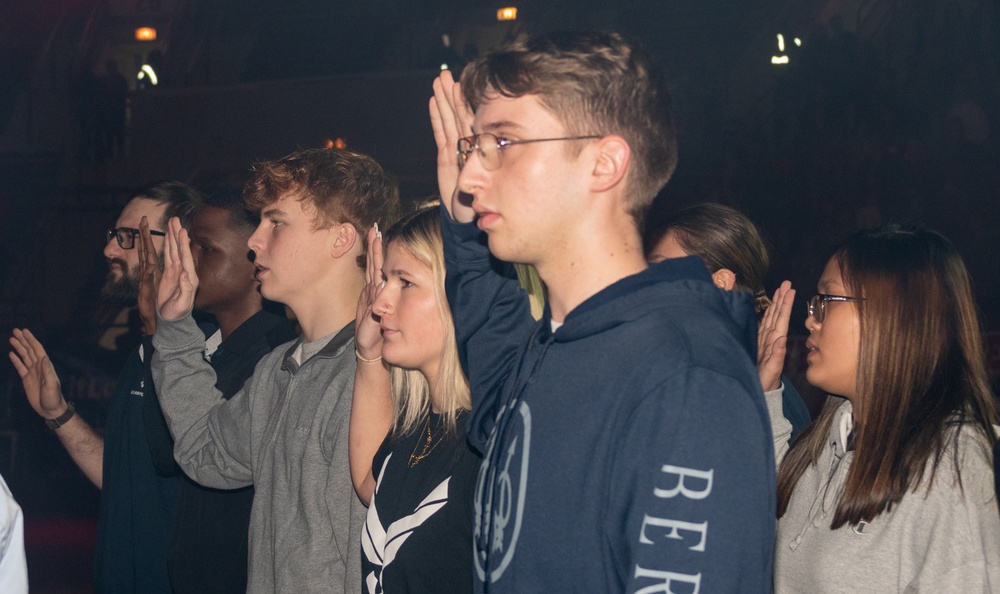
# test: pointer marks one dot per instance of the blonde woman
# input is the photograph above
(410, 460)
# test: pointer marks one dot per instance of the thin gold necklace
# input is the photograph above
(429, 445)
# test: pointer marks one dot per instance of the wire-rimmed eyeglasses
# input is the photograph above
(488, 146)
(126, 236)
(817, 304)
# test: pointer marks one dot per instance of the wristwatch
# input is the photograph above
(63, 418)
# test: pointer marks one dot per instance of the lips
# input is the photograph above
(811, 349)
(259, 271)
(485, 218)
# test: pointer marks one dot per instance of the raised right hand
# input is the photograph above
(367, 330)
(179, 282)
(451, 119)
(772, 337)
(38, 376)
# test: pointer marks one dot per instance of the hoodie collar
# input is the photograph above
(663, 284)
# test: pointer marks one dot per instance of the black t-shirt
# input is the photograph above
(418, 533)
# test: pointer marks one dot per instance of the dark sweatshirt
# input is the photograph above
(630, 450)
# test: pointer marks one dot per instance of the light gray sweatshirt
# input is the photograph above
(286, 433)
(941, 540)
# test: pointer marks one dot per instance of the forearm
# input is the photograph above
(696, 492)
(85, 447)
(492, 314)
(371, 419)
(781, 429)
(206, 444)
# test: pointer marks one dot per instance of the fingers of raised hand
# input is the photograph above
(444, 119)
(462, 109)
(147, 252)
(27, 346)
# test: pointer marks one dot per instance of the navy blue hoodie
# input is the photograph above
(631, 449)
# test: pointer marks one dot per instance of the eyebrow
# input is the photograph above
(272, 212)
(503, 124)
(398, 272)
(824, 286)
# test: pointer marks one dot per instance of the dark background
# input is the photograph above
(885, 110)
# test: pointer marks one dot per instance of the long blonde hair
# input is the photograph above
(419, 233)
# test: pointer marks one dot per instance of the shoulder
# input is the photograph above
(964, 473)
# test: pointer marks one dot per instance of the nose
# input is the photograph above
(255, 242)
(382, 305)
(113, 250)
(811, 324)
(473, 175)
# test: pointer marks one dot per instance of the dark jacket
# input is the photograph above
(136, 503)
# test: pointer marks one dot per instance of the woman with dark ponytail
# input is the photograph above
(732, 249)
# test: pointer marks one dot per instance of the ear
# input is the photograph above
(344, 237)
(724, 278)
(613, 157)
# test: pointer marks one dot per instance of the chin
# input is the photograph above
(501, 249)
(269, 294)
(813, 380)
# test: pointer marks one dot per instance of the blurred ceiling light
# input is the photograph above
(507, 14)
(798, 42)
(444, 66)
(779, 59)
(337, 143)
(147, 71)
(781, 42)
(145, 34)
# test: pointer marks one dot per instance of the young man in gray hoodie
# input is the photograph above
(286, 431)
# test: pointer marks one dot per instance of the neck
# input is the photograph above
(592, 260)
(437, 398)
(329, 308)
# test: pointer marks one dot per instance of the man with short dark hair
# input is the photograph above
(626, 445)
(207, 550)
(286, 431)
(136, 502)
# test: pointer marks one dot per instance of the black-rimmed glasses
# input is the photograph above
(488, 146)
(126, 236)
(817, 305)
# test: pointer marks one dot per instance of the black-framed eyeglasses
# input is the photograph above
(817, 304)
(488, 146)
(126, 236)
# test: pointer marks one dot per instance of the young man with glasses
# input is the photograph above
(136, 502)
(625, 438)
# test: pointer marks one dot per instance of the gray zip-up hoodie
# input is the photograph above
(286, 433)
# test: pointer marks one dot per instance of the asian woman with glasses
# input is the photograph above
(891, 488)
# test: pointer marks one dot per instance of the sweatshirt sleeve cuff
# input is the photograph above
(175, 334)
(781, 428)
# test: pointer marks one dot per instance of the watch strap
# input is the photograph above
(63, 418)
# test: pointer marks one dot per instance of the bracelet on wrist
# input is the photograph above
(63, 418)
(363, 360)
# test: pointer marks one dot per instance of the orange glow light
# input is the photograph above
(145, 34)
(507, 14)
(339, 143)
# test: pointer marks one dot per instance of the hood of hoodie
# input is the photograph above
(667, 284)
